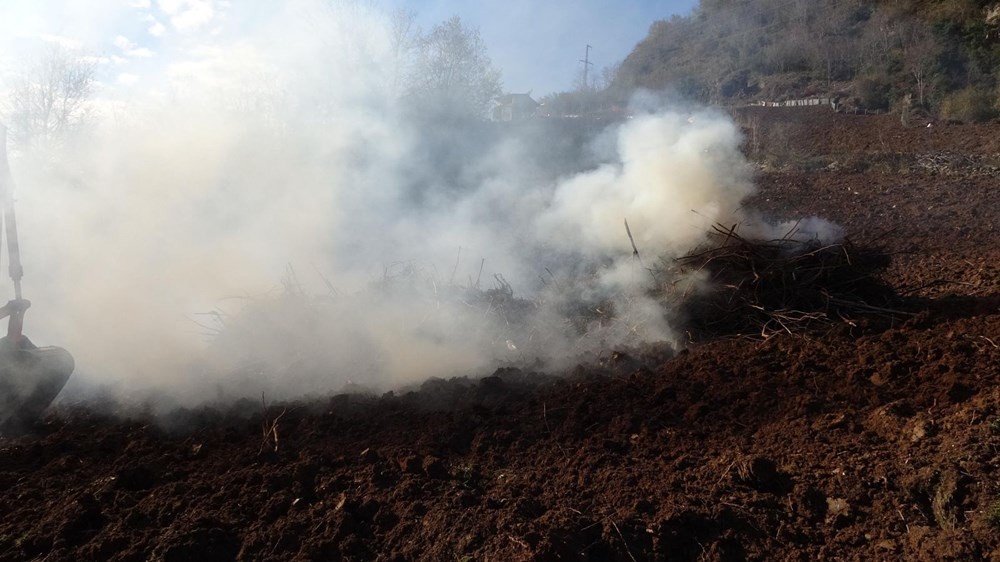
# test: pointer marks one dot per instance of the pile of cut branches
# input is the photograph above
(786, 285)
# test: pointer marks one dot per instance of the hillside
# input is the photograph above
(941, 57)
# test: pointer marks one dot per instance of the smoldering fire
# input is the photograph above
(239, 154)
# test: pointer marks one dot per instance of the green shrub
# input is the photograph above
(971, 104)
(873, 93)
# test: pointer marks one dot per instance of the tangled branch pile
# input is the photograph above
(783, 285)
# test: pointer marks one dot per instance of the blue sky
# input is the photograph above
(538, 43)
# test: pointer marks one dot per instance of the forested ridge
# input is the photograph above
(940, 57)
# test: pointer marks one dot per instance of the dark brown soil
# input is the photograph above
(850, 443)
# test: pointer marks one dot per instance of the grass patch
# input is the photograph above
(993, 514)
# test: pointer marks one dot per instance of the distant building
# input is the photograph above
(513, 107)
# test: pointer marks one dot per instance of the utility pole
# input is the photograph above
(586, 67)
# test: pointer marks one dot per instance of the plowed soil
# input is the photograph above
(851, 442)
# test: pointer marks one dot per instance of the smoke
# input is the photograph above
(253, 212)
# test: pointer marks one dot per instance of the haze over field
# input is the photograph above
(266, 180)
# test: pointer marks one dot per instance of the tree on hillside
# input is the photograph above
(920, 52)
(452, 72)
(48, 97)
(404, 36)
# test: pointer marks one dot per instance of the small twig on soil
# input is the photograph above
(291, 281)
(210, 330)
(518, 541)
(269, 430)
(993, 343)
(624, 542)
(868, 308)
(792, 230)
(329, 285)
(454, 269)
(635, 251)
(724, 474)
(934, 283)
(545, 420)
(544, 281)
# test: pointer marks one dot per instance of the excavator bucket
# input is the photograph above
(30, 379)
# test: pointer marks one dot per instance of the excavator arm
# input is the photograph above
(30, 377)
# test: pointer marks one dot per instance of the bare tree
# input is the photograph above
(920, 53)
(405, 37)
(608, 75)
(49, 97)
(452, 71)
(578, 81)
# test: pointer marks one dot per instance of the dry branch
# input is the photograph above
(269, 429)
(783, 285)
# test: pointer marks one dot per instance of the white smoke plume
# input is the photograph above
(261, 171)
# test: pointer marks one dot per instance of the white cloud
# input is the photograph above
(140, 53)
(123, 43)
(95, 60)
(140, 4)
(130, 49)
(126, 79)
(64, 42)
(157, 29)
(188, 15)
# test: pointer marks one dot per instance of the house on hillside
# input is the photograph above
(513, 107)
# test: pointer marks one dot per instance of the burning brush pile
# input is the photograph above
(763, 287)
(408, 327)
